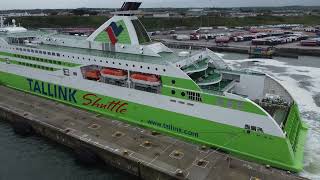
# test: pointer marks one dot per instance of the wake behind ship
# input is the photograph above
(119, 72)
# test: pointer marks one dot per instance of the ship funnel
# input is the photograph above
(130, 6)
(124, 28)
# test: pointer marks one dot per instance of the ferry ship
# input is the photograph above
(190, 94)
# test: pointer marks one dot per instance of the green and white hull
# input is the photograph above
(178, 107)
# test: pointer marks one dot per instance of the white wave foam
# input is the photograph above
(220, 55)
(301, 95)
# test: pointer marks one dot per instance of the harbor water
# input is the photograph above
(38, 158)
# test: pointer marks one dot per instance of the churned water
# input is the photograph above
(38, 158)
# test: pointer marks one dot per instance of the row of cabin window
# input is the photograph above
(191, 95)
(220, 101)
(38, 52)
(73, 57)
(36, 66)
(196, 96)
(107, 62)
(38, 59)
(230, 103)
(181, 102)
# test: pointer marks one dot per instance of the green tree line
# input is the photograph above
(164, 23)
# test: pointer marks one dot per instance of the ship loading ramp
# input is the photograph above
(143, 153)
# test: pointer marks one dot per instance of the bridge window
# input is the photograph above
(240, 105)
(253, 128)
(259, 130)
(66, 72)
(220, 102)
(194, 96)
(229, 104)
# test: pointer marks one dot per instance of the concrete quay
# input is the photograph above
(143, 153)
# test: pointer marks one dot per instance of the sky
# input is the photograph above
(62, 4)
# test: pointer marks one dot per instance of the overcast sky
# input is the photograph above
(53, 4)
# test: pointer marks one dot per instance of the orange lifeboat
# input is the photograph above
(117, 74)
(92, 75)
(148, 79)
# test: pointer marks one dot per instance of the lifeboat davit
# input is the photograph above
(92, 75)
(148, 79)
(117, 74)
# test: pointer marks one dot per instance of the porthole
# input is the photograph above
(112, 62)
(120, 64)
(173, 81)
(173, 92)
(127, 65)
(164, 70)
(148, 67)
(183, 94)
(156, 69)
(133, 66)
(141, 67)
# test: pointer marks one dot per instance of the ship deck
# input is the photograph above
(163, 59)
(139, 151)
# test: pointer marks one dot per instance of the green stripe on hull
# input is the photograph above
(35, 66)
(253, 146)
(179, 87)
(42, 60)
